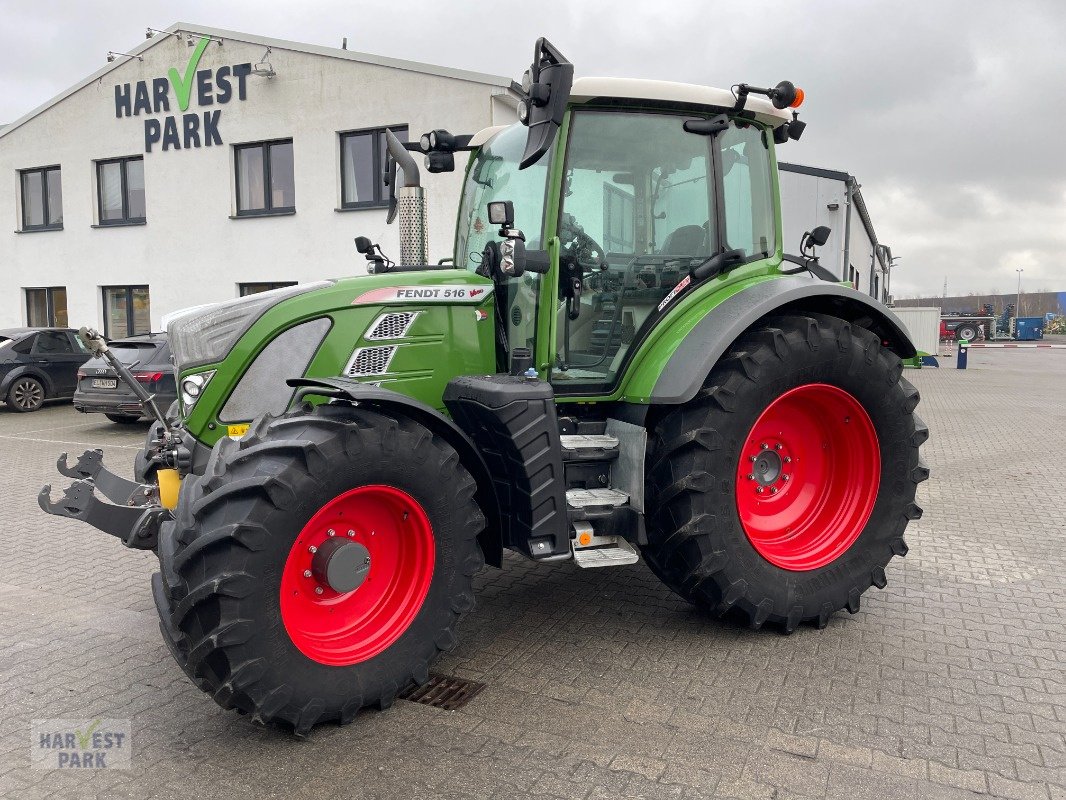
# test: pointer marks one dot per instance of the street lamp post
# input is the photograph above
(1018, 301)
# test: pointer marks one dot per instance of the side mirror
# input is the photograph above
(546, 85)
(363, 245)
(816, 238)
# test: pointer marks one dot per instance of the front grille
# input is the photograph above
(391, 326)
(370, 361)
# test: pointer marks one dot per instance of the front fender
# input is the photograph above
(687, 366)
(388, 400)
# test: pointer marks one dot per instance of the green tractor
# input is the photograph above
(619, 361)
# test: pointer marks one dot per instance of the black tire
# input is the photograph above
(221, 561)
(123, 419)
(966, 331)
(26, 394)
(697, 543)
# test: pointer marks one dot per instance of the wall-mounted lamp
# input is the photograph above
(151, 32)
(193, 39)
(113, 54)
(263, 68)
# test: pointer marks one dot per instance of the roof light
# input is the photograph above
(799, 99)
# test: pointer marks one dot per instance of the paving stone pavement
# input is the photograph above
(950, 683)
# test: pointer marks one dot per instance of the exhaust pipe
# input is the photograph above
(410, 199)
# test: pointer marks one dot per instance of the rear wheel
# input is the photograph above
(781, 493)
(966, 331)
(26, 394)
(319, 565)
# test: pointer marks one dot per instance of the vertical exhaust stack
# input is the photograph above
(410, 204)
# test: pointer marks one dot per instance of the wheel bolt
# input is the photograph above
(312, 549)
(331, 532)
(785, 477)
(773, 490)
(366, 561)
(351, 534)
(751, 458)
(779, 446)
(764, 446)
(788, 459)
(307, 573)
(318, 590)
(751, 477)
(758, 490)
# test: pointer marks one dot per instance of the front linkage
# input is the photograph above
(132, 511)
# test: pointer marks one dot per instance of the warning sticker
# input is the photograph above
(237, 431)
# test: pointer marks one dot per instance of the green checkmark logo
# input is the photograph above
(183, 86)
(85, 738)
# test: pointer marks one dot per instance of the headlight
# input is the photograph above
(192, 386)
(203, 336)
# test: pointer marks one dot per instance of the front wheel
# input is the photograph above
(782, 492)
(319, 565)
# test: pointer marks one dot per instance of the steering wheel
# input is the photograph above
(586, 251)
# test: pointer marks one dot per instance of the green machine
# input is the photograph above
(619, 362)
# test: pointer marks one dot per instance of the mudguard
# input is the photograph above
(385, 399)
(688, 366)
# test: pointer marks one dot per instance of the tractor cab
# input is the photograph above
(629, 207)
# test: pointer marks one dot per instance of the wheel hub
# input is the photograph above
(767, 468)
(341, 564)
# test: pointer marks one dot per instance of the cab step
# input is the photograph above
(589, 447)
(596, 498)
(592, 551)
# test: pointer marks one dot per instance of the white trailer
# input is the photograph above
(812, 196)
(923, 325)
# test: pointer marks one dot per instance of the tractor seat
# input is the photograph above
(688, 240)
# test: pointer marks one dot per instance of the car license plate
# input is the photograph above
(105, 383)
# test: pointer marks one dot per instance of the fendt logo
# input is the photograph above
(211, 87)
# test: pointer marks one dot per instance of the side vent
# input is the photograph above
(370, 361)
(391, 326)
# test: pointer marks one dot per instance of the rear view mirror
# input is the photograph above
(816, 238)
(546, 85)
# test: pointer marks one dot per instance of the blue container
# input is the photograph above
(1029, 329)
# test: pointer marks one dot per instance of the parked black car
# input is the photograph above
(38, 364)
(148, 358)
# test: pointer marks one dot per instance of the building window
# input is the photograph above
(255, 288)
(126, 311)
(265, 180)
(42, 199)
(120, 191)
(46, 307)
(363, 167)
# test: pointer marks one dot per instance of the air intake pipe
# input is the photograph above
(409, 203)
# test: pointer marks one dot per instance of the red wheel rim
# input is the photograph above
(379, 523)
(808, 477)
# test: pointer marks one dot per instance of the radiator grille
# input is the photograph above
(370, 361)
(391, 326)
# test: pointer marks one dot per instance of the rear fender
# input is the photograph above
(686, 368)
(21, 371)
(375, 397)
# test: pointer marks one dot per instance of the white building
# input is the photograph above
(210, 163)
(812, 196)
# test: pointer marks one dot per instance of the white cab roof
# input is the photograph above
(586, 89)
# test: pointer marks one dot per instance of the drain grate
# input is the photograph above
(444, 691)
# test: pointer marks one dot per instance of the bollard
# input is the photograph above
(960, 359)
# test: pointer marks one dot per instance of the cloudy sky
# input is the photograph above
(950, 114)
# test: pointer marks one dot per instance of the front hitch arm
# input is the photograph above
(136, 526)
(90, 466)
